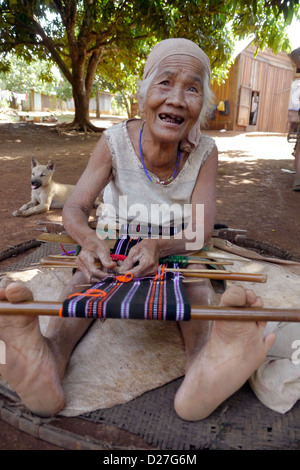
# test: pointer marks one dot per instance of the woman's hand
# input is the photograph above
(142, 260)
(94, 259)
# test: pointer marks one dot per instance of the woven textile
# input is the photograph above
(124, 244)
(158, 298)
(161, 297)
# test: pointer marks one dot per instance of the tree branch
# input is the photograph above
(68, 15)
(48, 43)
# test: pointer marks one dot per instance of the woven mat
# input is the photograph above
(241, 422)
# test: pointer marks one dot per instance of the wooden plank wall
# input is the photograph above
(227, 90)
(269, 74)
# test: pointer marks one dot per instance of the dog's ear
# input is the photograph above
(34, 162)
(50, 165)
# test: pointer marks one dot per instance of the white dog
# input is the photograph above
(45, 193)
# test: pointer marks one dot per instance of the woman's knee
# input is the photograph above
(200, 293)
(73, 285)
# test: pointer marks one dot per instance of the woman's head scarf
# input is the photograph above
(179, 46)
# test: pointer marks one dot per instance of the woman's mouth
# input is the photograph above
(171, 118)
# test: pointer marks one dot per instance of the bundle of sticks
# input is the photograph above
(64, 261)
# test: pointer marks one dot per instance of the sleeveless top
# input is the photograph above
(130, 198)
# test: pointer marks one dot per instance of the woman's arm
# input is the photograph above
(76, 212)
(205, 193)
(148, 251)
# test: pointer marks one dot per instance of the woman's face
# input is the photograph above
(174, 99)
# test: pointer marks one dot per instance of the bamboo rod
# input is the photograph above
(210, 274)
(208, 261)
(191, 260)
(41, 308)
(199, 273)
(227, 276)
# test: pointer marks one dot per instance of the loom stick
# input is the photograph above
(201, 273)
(197, 312)
(222, 276)
(196, 271)
(212, 255)
(205, 261)
(228, 276)
(193, 260)
(58, 264)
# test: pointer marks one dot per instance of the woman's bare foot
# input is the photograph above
(30, 367)
(233, 352)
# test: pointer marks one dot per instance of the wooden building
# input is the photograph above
(256, 94)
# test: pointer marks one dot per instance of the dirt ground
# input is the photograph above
(254, 183)
(254, 193)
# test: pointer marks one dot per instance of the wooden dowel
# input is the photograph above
(66, 259)
(53, 264)
(34, 308)
(228, 276)
(72, 266)
(37, 308)
(210, 256)
(245, 314)
(208, 261)
(199, 273)
(210, 274)
(193, 260)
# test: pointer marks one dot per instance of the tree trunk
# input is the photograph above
(97, 102)
(81, 98)
(81, 120)
(124, 98)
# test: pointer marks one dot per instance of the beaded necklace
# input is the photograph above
(162, 182)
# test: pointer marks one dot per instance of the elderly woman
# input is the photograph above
(165, 160)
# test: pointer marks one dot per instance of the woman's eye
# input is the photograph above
(165, 82)
(193, 89)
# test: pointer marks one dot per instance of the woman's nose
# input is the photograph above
(176, 96)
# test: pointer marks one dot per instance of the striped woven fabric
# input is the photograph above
(161, 297)
(124, 244)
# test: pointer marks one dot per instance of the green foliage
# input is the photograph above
(19, 76)
(266, 20)
(69, 30)
(111, 38)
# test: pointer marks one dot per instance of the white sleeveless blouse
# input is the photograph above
(131, 198)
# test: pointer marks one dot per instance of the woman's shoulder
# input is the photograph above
(205, 145)
(114, 128)
(207, 140)
(203, 150)
(128, 125)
